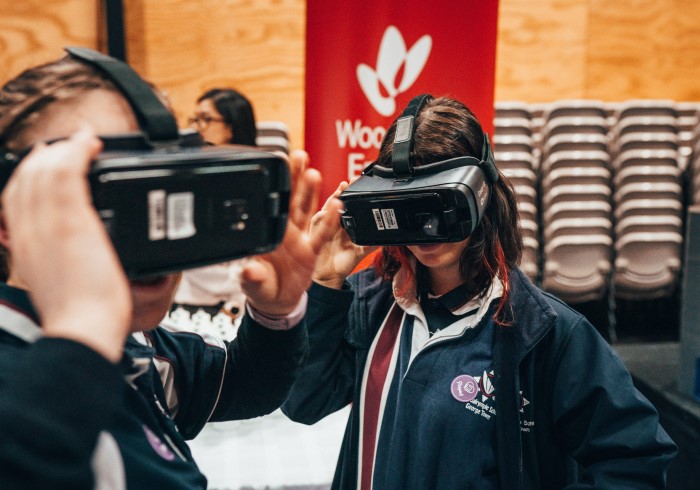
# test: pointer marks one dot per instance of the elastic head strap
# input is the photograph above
(488, 163)
(155, 119)
(402, 153)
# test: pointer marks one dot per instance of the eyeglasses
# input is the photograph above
(201, 121)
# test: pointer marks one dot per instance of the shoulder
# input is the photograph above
(541, 316)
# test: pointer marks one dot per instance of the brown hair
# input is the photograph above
(23, 99)
(446, 128)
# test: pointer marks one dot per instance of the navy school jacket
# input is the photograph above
(69, 419)
(581, 403)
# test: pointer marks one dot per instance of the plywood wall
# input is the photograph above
(553, 49)
(547, 49)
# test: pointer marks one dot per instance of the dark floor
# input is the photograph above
(655, 367)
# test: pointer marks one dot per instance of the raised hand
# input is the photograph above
(60, 250)
(338, 256)
(275, 282)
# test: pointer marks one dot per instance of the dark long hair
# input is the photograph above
(446, 128)
(237, 112)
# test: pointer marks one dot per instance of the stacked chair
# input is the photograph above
(514, 151)
(693, 169)
(273, 136)
(687, 120)
(648, 199)
(576, 211)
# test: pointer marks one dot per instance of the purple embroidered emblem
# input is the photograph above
(464, 388)
(159, 446)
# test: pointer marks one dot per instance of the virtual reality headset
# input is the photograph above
(168, 200)
(408, 205)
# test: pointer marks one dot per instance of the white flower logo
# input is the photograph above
(391, 57)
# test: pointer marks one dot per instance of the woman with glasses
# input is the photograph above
(224, 116)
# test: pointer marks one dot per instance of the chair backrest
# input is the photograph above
(507, 109)
(647, 264)
(520, 176)
(272, 136)
(575, 108)
(648, 207)
(519, 159)
(647, 173)
(648, 224)
(645, 107)
(576, 209)
(574, 142)
(576, 267)
(513, 143)
(578, 226)
(576, 175)
(645, 141)
(648, 190)
(575, 125)
(505, 126)
(575, 159)
(577, 193)
(638, 157)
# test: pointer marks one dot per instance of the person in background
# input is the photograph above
(222, 116)
(460, 372)
(93, 392)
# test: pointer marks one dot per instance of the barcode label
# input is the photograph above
(181, 215)
(156, 215)
(390, 219)
(378, 219)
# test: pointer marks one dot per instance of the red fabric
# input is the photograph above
(442, 47)
(376, 378)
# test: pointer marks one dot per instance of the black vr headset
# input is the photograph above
(408, 205)
(169, 201)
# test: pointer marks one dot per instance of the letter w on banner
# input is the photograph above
(367, 58)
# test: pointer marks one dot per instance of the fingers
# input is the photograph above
(298, 162)
(304, 201)
(252, 277)
(326, 223)
(51, 175)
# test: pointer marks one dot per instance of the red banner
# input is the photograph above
(367, 58)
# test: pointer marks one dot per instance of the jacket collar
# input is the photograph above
(530, 313)
(19, 317)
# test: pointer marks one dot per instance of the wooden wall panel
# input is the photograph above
(256, 46)
(35, 31)
(547, 49)
(644, 49)
(541, 50)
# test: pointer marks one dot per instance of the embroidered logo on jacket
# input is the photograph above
(158, 446)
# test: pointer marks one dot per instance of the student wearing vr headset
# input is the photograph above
(93, 393)
(461, 373)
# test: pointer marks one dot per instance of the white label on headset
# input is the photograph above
(181, 215)
(390, 219)
(156, 215)
(378, 219)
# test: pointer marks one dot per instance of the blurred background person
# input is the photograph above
(222, 116)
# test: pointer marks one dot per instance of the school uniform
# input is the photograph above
(443, 397)
(70, 419)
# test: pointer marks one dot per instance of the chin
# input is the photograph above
(152, 297)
